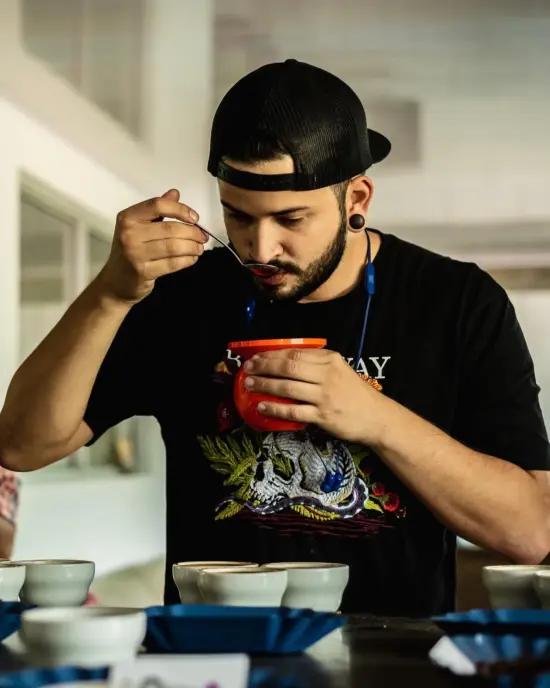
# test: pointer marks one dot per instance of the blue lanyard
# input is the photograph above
(369, 285)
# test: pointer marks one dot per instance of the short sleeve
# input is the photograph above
(133, 376)
(498, 411)
(124, 385)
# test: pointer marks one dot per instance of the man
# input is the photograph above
(422, 411)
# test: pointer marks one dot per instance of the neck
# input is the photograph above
(349, 272)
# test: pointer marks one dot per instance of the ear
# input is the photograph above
(359, 194)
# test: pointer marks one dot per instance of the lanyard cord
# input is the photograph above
(369, 286)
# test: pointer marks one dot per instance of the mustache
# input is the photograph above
(289, 268)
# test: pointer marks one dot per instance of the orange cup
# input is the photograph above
(247, 401)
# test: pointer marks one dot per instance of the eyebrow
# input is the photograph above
(277, 213)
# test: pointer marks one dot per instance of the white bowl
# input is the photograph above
(511, 586)
(57, 582)
(186, 577)
(243, 587)
(86, 637)
(314, 585)
(12, 577)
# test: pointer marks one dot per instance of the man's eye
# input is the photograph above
(291, 221)
(241, 219)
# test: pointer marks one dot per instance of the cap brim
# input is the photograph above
(380, 146)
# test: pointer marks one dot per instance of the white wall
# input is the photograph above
(484, 136)
(478, 72)
(482, 160)
(115, 520)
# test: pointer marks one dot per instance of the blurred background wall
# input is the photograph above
(106, 102)
(102, 104)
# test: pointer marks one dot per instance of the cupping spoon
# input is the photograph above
(258, 269)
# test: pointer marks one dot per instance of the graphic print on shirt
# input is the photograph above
(295, 480)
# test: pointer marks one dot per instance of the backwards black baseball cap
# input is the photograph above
(311, 115)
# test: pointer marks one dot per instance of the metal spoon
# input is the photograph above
(257, 269)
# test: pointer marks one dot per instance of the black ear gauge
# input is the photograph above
(356, 222)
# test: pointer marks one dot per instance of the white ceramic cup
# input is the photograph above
(57, 582)
(87, 637)
(314, 585)
(186, 576)
(243, 587)
(510, 586)
(12, 577)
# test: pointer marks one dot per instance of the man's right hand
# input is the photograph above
(146, 247)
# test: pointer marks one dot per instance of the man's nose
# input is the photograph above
(264, 246)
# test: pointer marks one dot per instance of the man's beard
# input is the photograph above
(315, 275)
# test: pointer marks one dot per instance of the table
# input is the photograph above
(368, 651)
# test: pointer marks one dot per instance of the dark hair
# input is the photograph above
(340, 191)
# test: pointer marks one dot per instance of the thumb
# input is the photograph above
(172, 195)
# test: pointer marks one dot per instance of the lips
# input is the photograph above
(263, 272)
(277, 278)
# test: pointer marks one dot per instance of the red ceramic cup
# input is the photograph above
(247, 401)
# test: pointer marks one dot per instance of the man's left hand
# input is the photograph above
(328, 392)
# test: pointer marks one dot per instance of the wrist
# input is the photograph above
(105, 301)
(377, 420)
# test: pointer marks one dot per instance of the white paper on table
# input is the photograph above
(182, 671)
(447, 655)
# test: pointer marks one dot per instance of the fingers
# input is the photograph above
(285, 389)
(172, 194)
(162, 240)
(169, 247)
(297, 413)
(316, 356)
(290, 367)
(167, 205)
(171, 230)
(158, 268)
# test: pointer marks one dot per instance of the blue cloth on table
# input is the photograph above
(212, 629)
(10, 618)
(36, 678)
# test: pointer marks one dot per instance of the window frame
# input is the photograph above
(76, 277)
(131, 100)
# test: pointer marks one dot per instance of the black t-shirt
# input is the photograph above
(443, 341)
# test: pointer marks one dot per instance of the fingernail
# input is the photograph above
(249, 382)
(249, 366)
(262, 408)
(193, 215)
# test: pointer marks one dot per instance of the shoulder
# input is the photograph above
(442, 276)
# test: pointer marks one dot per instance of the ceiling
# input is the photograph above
(525, 241)
(404, 52)
(413, 48)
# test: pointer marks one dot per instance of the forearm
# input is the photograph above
(48, 395)
(483, 499)
(7, 532)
